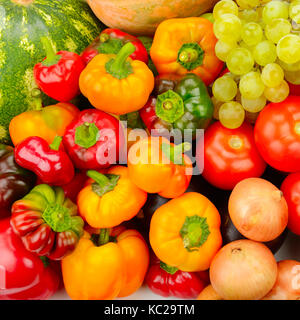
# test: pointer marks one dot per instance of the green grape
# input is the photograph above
(246, 4)
(217, 105)
(293, 77)
(274, 10)
(288, 49)
(224, 89)
(228, 28)
(289, 67)
(240, 61)
(222, 49)
(294, 11)
(265, 52)
(277, 29)
(225, 6)
(272, 75)
(251, 33)
(254, 105)
(251, 85)
(248, 15)
(277, 94)
(208, 16)
(231, 115)
(243, 44)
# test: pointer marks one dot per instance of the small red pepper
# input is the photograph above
(168, 281)
(93, 140)
(112, 41)
(58, 74)
(24, 275)
(47, 222)
(50, 163)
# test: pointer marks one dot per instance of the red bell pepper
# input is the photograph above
(50, 163)
(112, 41)
(23, 275)
(72, 188)
(93, 140)
(47, 222)
(58, 74)
(168, 281)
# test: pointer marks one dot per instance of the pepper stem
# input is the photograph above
(103, 237)
(167, 268)
(86, 135)
(56, 143)
(190, 56)
(194, 232)
(100, 178)
(51, 56)
(119, 67)
(104, 37)
(103, 183)
(169, 106)
(175, 152)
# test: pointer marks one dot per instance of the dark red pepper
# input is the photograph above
(23, 275)
(58, 74)
(93, 140)
(168, 281)
(15, 182)
(50, 163)
(47, 222)
(112, 41)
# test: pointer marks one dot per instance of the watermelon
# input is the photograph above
(68, 24)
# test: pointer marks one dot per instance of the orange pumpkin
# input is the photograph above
(142, 17)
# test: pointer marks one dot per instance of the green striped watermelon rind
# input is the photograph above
(69, 25)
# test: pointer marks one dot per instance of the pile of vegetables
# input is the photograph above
(168, 156)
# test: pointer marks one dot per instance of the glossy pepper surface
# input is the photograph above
(116, 83)
(168, 281)
(47, 123)
(110, 199)
(186, 45)
(93, 140)
(47, 222)
(185, 232)
(15, 182)
(58, 74)
(111, 41)
(103, 267)
(157, 166)
(50, 163)
(23, 275)
(179, 104)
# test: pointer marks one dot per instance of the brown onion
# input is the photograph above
(209, 293)
(287, 286)
(243, 270)
(258, 209)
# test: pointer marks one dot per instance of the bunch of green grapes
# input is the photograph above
(260, 42)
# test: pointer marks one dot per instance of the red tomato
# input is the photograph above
(230, 156)
(291, 191)
(277, 134)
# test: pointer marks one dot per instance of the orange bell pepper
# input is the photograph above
(186, 45)
(46, 123)
(115, 83)
(103, 267)
(110, 199)
(185, 232)
(158, 166)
